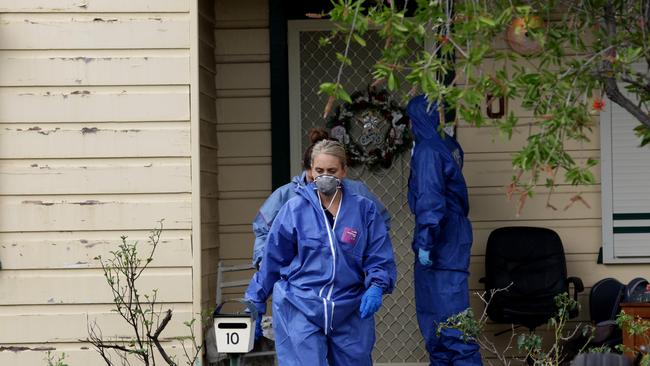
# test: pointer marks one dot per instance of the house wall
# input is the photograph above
(208, 151)
(243, 125)
(94, 144)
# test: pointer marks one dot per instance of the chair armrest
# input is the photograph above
(577, 286)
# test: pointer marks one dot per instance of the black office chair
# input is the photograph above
(605, 298)
(530, 263)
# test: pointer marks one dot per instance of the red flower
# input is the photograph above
(599, 104)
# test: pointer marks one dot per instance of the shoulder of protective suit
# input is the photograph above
(365, 203)
(438, 153)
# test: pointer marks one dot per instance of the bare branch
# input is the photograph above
(156, 341)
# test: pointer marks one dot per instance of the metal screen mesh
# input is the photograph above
(398, 336)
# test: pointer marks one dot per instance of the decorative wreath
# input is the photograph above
(373, 129)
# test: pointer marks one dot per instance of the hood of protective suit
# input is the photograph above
(300, 180)
(425, 118)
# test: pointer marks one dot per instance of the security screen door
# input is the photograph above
(398, 336)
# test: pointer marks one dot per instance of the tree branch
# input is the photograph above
(608, 75)
(154, 338)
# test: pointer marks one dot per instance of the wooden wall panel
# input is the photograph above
(245, 178)
(488, 140)
(242, 14)
(92, 6)
(242, 45)
(94, 144)
(53, 286)
(208, 137)
(88, 176)
(244, 110)
(244, 76)
(94, 67)
(94, 104)
(94, 140)
(495, 207)
(72, 326)
(78, 249)
(240, 144)
(92, 31)
(239, 211)
(77, 353)
(105, 212)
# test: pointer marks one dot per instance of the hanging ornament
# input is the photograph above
(518, 37)
(373, 129)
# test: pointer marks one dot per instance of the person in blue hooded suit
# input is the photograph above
(270, 208)
(328, 261)
(442, 239)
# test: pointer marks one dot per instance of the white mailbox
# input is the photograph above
(235, 333)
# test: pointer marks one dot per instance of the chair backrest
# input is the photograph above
(531, 261)
(601, 359)
(604, 299)
(635, 289)
(531, 258)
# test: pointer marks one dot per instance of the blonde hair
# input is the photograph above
(330, 147)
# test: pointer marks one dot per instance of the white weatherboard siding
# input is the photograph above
(208, 146)
(95, 143)
(243, 117)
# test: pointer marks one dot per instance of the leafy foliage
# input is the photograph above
(53, 360)
(636, 327)
(554, 356)
(576, 52)
(532, 345)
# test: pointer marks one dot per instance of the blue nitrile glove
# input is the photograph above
(258, 328)
(423, 257)
(370, 301)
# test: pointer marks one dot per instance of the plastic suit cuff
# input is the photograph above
(260, 306)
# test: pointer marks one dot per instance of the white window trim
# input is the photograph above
(607, 188)
(294, 27)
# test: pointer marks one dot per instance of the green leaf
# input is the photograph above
(642, 132)
(487, 21)
(392, 85)
(343, 95)
(327, 88)
(343, 59)
(324, 41)
(524, 9)
(400, 27)
(359, 39)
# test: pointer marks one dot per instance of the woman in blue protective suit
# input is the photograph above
(442, 239)
(271, 207)
(328, 261)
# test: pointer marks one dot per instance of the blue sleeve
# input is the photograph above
(279, 252)
(378, 262)
(263, 221)
(430, 203)
(361, 189)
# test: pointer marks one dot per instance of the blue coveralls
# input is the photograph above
(271, 207)
(317, 275)
(438, 198)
